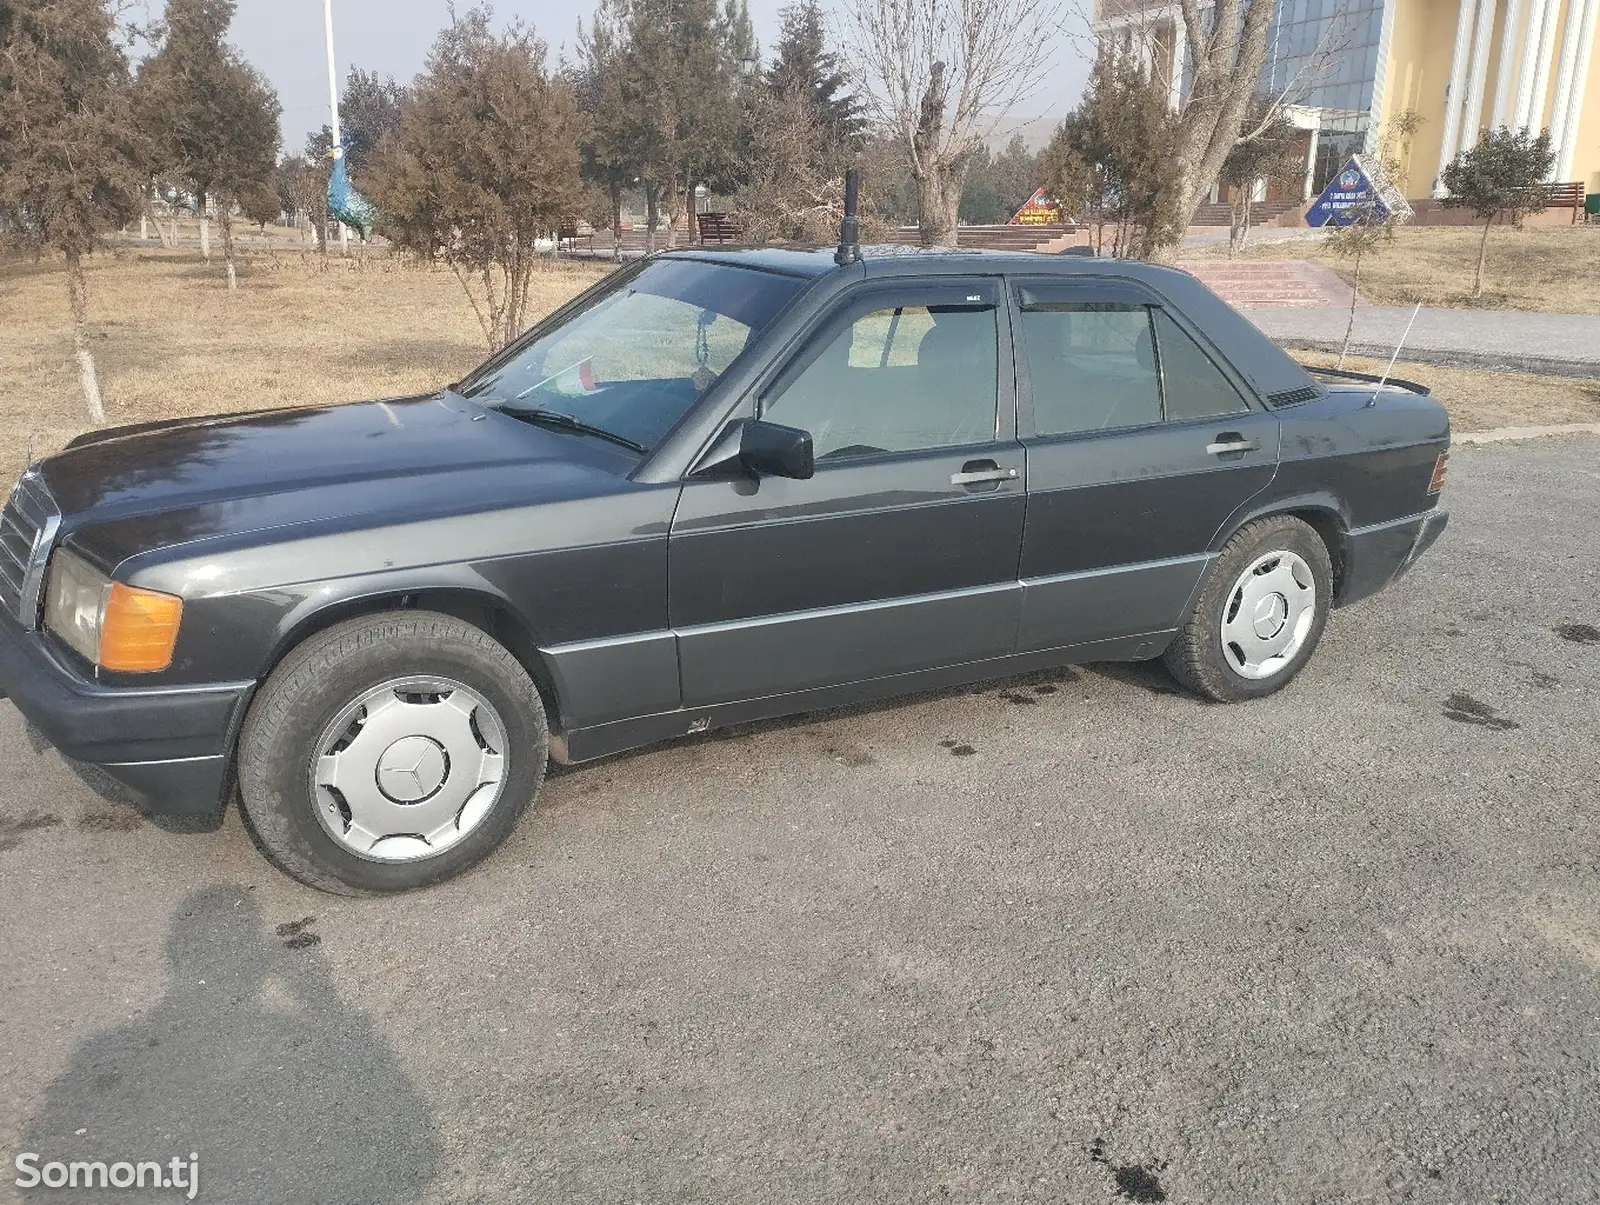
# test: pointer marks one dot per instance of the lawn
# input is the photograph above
(170, 339)
(1550, 269)
(1480, 401)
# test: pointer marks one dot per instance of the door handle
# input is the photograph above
(979, 476)
(1230, 441)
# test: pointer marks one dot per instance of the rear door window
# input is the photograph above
(1195, 386)
(1093, 366)
(1106, 365)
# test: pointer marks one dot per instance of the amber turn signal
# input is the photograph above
(1439, 467)
(139, 630)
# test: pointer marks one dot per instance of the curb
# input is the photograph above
(1502, 434)
(1549, 366)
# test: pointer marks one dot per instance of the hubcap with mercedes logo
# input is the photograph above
(409, 768)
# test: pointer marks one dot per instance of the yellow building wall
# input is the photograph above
(1586, 163)
(1421, 44)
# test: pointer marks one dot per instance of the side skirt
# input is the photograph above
(601, 740)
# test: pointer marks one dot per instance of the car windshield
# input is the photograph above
(631, 362)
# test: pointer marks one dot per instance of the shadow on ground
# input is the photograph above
(253, 1061)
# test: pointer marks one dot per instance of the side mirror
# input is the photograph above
(750, 446)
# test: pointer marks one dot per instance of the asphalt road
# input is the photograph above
(1074, 938)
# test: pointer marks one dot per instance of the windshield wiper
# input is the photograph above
(554, 418)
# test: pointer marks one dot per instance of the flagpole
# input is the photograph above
(333, 105)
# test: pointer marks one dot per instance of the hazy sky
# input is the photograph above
(283, 39)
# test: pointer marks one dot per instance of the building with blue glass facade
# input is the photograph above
(1348, 66)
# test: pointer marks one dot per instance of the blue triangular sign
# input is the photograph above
(1351, 196)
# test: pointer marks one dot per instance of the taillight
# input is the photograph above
(1436, 483)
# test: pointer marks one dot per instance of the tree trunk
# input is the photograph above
(652, 216)
(938, 200)
(616, 221)
(205, 231)
(1483, 251)
(77, 298)
(1355, 292)
(225, 220)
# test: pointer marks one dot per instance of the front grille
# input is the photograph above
(27, 526)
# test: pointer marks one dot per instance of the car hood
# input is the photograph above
(158, 484)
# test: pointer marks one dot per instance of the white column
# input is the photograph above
(1563, 106)
(1473, 114)
(1458, 81)
(1378, 111)
(1539, 13)
(1568, 145)
(1311, 161)
(1180, 56)
(1505, 74)
(1547, 56)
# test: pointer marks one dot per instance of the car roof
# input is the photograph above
(1275, 375)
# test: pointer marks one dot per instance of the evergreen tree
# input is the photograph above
(210, 117)
(70, 154)
(1110, 161)
(1502, 177)
(485, 164)
(803, 66)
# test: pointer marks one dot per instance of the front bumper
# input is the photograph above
(168, 744)
(1376, 556)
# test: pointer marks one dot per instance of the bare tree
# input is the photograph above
(940, 77)
(1223, 96)
(1273, 156)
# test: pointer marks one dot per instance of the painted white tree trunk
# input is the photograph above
(87, 376)
(205, 231)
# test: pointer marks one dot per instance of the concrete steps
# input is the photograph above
(1220, 213)
(1250, 284)
(994, 238)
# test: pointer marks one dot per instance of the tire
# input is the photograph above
(1229, 652)
(390, 752)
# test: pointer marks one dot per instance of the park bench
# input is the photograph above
(717, 228)
(570, 232)
(1565, 196)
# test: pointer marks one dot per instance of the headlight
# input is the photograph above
(116, 626)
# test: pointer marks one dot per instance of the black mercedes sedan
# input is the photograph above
(718, 486)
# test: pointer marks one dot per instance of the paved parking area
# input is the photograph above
(1073, 938)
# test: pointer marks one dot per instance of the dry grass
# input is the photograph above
(1548, 269)
(1479, 401)
(170, 340)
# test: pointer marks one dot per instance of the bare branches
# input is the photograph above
(941, 76)
(992, 51)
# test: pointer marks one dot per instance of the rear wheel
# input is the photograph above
(390, 752)
(1260, 615)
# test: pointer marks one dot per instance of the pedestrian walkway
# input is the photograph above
(1558, 344)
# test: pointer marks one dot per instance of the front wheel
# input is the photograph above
(390, 752)
(1260, 615)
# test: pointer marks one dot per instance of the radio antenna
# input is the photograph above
(849, 229)
(1404, 335)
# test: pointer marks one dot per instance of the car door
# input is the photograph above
(901, 552)
(1141, 443)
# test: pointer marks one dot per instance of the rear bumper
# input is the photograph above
(1376, 556)
(168, 745)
